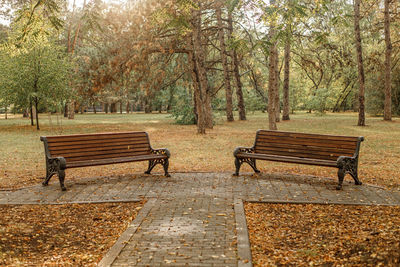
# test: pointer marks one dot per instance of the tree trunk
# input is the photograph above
(255, 80)
(128, 107)
(26, 113)
(208, 109)
(286, 105)
(227, 78)
(361, 75)
(5, 112)
(204, 99)
(195, 82)
(37, 113)
(66, 110)
(272, 76)
(71, 110)
(235, 62)
(106, 108)
(31, 110)
(94, 107)
(120, 107)
(147, 105)
(277, 95)
(388, 77)
(113, 108)
(196, 106)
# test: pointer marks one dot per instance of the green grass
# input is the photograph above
(22, 155)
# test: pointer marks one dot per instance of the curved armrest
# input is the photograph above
(346, 162)
(161, 151)
(242, 149)
(58, 163)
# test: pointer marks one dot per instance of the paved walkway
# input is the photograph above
(195, 219)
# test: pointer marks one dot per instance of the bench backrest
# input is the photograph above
(81, 147)
(315, 146)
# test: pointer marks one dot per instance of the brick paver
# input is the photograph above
(191, 219)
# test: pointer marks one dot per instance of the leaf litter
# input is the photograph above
(72, 234)
(323, 235)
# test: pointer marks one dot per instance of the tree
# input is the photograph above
(285, 115)
(272, 83)
(388, 59)
(361, 75)
(202, 91)
(38, 68)
(223, 52)
(235, 63)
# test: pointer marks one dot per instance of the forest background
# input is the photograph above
(192, 58)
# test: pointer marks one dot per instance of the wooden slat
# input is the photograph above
(290, 152)
(306, 148)
(90, 154)
(314, 143)
(87, 163)
(85, 148)
(94, 136)
(117, 155)
(327, 163)
(298, 154)
(307, 135)
(99, 141)
(305, 139)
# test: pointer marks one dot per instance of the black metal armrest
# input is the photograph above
(161, 151)
(242, 149)
(58, 163)
(343, 162)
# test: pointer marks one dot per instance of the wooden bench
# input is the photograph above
(313, 149)
(82, 150)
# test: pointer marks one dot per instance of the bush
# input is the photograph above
(182, 111)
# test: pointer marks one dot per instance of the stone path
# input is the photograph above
(195, 219)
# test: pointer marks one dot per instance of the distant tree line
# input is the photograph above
(192, 58)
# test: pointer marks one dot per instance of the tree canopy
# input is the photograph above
(193, 58)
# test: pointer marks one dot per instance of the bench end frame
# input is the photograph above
(239, 160)
(349, 165)
(54, 165)
(164, 162)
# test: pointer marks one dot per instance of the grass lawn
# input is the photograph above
(22, 154)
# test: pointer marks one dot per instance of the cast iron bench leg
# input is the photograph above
(239, 162)
(166, 165)
(61, 177)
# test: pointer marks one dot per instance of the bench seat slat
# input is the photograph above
(308, 136)
(116, 155)
(298, 154)
(133, 151)
(313, 143)
(87, 163)
(327, 163)
(291, 152)
(76, 149)
(325, 150)
(141, 140)
(87, 137)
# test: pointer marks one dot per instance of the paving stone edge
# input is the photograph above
(71, 202)
(277, 201)
(115, 250)
(243, 243)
